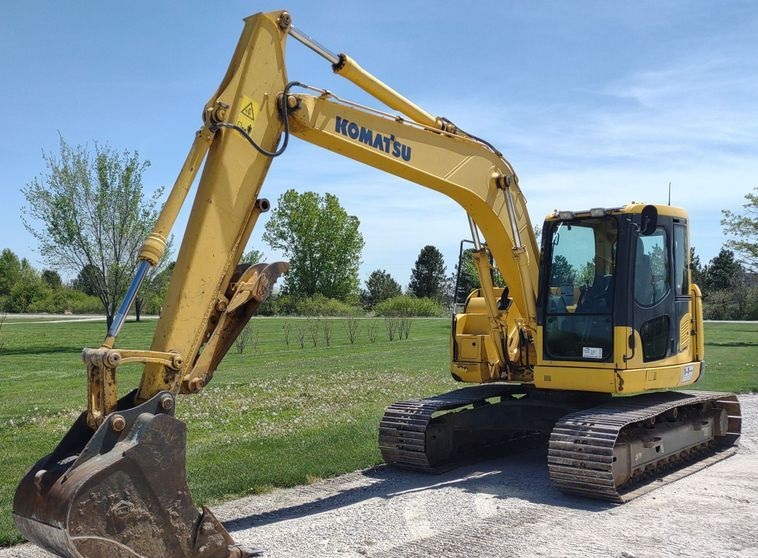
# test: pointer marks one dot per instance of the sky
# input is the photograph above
(594, 103)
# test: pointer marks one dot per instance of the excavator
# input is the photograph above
(595, 324)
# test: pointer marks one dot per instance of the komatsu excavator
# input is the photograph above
(582, 344)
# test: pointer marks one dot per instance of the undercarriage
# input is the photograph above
(598, 446)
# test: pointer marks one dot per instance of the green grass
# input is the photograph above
(273, 416)
(26, 320)
(731, 357)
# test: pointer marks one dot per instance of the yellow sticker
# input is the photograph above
(246, 117)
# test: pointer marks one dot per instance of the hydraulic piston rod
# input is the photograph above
(315, 46)
(348, 68)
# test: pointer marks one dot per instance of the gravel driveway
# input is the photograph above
(503, 507)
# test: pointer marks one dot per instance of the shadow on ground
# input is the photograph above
(521, 474)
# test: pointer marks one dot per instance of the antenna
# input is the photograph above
(669, 192)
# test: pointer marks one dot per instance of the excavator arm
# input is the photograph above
(115, 485)
(242, 133)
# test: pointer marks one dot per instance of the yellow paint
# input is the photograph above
(661, 377)
(222, 216)
(575, 378)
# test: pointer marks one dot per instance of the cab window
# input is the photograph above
(651, 268)
(681, 254)
(581, 282)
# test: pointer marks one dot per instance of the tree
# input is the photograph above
(722, 272)
(585, 275)
(728, 290)
(27, 288)
(88, 280)
(468, 278)
(321, 241)
(252, 257)
(428, 275)
(153, 291)
(696, 269)
(745, 230)
(563, 273)
(52, 278)
(379, 286)
(89, 212)
(10, 271)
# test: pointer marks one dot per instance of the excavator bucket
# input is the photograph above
(120, 492)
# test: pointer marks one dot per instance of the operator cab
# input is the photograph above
(615, 297)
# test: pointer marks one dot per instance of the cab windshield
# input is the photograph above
(582, 271)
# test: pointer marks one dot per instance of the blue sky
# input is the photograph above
(594, 103)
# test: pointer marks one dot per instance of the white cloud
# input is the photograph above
(691, 122)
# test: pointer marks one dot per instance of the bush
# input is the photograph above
(738, 303)
(61, 301)
(23, 294)
(270, 306)
(751, 311)
(404, 306)
(318, 305)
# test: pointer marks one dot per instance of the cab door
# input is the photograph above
(660, 289)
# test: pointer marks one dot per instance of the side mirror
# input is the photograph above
(649, 220)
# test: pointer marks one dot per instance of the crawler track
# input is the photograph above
(581, 454)
(413, 435)
(661, 436)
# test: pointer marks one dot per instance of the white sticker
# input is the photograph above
(687, 373)
(592, 352)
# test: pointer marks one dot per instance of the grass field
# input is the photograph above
(273, 416)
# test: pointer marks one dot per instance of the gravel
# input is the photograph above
(501, 507)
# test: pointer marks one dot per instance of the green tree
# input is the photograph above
(728, 290)
(696, 269)
(10, 271)
(321, 241)
(585, 275)
(27, 289)
(744, 229)
(252, 257)
(153, 290)
(52, 278)
(428, 274)
(563, 273)
(380, 286)
(468, 277)
(659, 265)
(722, 272)
(89, 211)
(89, 280)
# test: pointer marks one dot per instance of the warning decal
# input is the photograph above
(247, 115)
(249, 111)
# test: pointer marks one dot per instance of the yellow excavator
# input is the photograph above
(593, 327)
